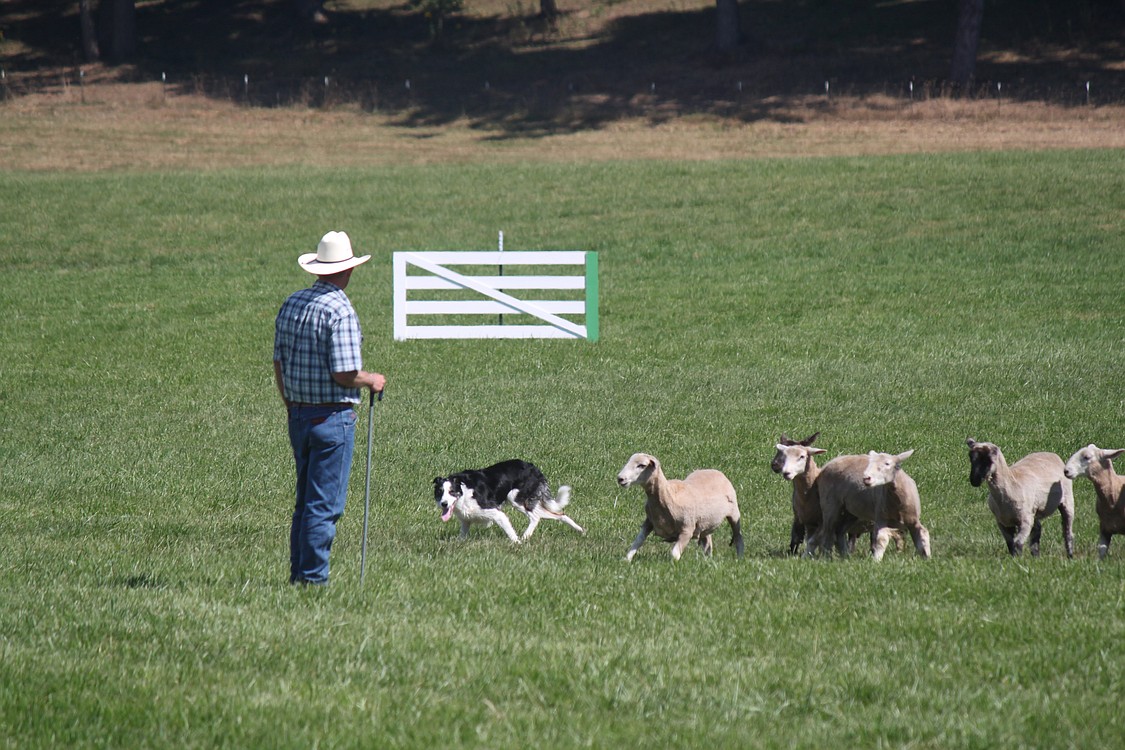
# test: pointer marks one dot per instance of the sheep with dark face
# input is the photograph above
(795, 462)
(680, 510)
(1096, 464)
(802, 473)
(798, 466)
(1020, 496)
(786, 441)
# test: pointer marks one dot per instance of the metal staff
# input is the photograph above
(367, 487)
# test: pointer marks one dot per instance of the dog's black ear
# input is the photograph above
(438, 481)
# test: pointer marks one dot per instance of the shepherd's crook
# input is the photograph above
(367, 487)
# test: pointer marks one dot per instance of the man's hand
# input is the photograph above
(372, 381)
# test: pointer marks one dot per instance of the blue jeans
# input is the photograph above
(323, 439)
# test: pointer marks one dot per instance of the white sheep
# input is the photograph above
(682, 510)
(1096, 463)
(1023, 494)
(898, 507)
(838, 490)
(847, 500)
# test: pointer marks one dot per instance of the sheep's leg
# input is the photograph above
(682, 542)
(646, 529)
(1033, 540)
(796, 536)
(830, 524)
(1067, 513)
(1103, 544)
(705, 544)
(736, 535)
(812, 534)
(813, 540)
(921, 537)
(881, 537)
(841, 533)
(1009, 534)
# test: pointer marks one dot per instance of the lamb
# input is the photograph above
(1096, 463)
(846, 496)
(682, 510)
(801, 478)
(899, 507)
(785, 440)
(1023, 494)
(796, 464)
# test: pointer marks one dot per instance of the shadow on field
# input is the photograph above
(598, 62)
(141, 581)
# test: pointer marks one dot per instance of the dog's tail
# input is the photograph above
(559, 501)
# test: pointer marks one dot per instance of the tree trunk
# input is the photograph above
(89, 36)
(728, 26)
(118, 21)
(966, 42)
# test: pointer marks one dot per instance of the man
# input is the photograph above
(319, 374)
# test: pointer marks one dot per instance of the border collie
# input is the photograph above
(475, 496)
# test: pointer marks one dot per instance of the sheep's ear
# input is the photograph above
(970, 442)
(872, 454)
(1112, 452)
(781, 446)
(816, 451)
(784, 440)
(903, 456)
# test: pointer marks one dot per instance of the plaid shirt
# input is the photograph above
(316, 334)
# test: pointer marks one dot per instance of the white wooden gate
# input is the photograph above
(432, 271)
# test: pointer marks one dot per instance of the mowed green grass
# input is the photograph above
(891, 303)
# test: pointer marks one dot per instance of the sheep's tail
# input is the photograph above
(559, 501)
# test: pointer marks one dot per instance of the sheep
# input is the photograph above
(682, 510)
(898, 507)
(785, 440)
(1096, 463)
(794, 461)
(798, 466)
(846, 501)
(802, 508)
(1023, 494)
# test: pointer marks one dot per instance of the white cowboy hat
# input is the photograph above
(333, 255)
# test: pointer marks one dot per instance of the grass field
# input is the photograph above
(891, 302)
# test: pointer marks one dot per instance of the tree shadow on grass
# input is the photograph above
(518, 77)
